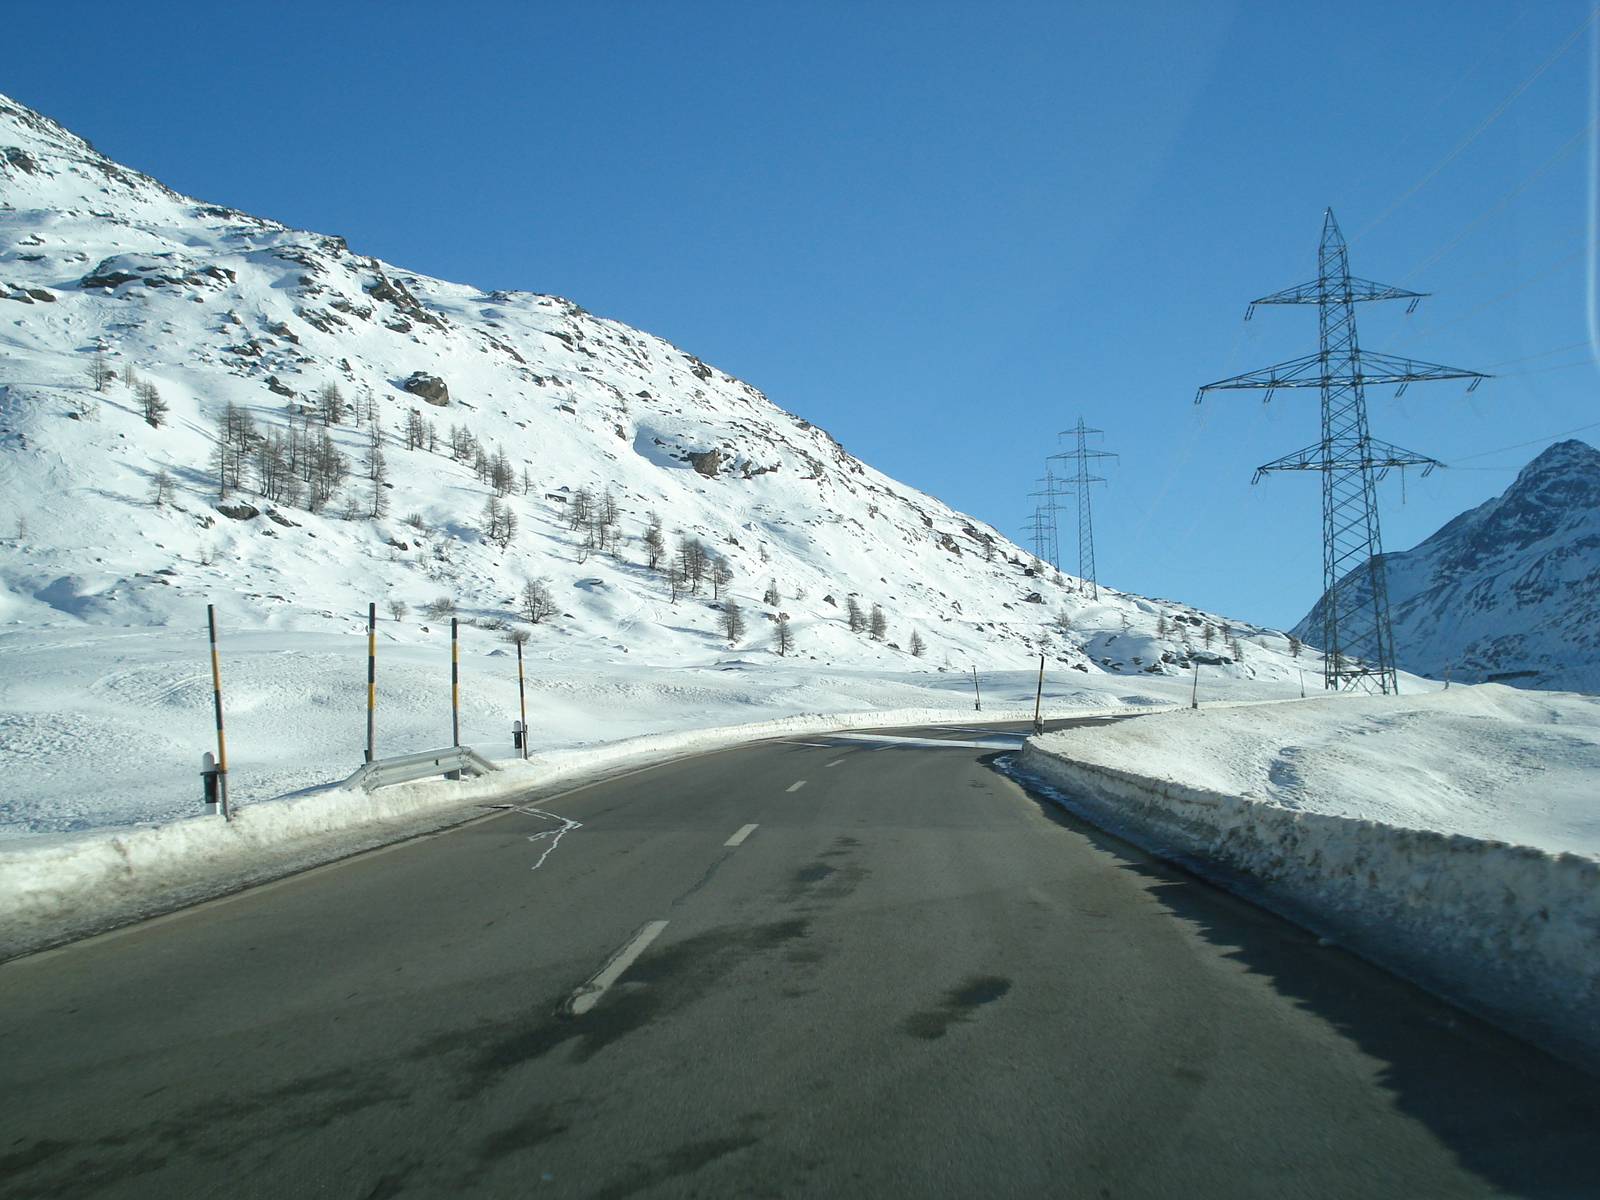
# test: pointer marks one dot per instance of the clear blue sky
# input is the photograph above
(941, 231)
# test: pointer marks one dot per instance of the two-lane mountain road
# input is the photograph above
(815, 968)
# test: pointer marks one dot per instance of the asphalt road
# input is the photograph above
(909, 979)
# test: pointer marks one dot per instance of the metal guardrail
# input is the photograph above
(402, 769)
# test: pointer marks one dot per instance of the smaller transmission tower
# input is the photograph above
(1080, 480)
(1046, 531)
(1357, 645)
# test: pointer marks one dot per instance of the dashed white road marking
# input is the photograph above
(795, 787)
(834, 763)
(738, 838)
(587, 996)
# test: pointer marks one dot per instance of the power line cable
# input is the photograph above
(1487, 121)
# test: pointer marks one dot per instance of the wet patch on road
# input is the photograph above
(662, 982)
(960, 1002)
(818, 882)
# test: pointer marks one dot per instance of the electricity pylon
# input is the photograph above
(1046, 533)
(1080, 481)
(1357, 644)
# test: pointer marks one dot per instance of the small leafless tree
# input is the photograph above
(330, 404)
(772, 597)
(731, 619)
(151, 406)
(916, 645)
(415, 431)
(854, 615)
(694, 562)
(536, 604)
(376, 468)
(580, 509)
(877, 624)
(655, 544)
(499, 522)
(398, 609)
(783, 636)
(440, 609)
(161, 488)
(101, 373)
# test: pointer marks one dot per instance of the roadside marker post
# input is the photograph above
(221, 768)
(455, 688)
(1194, 693)
(208, 780)
(977, 696)
(372, 671)
(522, 702)
(1038, 700)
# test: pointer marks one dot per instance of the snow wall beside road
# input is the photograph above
(1511, 932)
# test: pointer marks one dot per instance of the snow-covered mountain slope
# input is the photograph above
(211, 307)
(170, 437)
(1509, 590)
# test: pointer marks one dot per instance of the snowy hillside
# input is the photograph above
(198, 405)
(1509, 590)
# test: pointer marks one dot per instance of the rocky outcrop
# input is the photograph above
(429, 388)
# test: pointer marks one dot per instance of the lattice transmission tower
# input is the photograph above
(1044, 529)
(1357, 644)
(1079, 480)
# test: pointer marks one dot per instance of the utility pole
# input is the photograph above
(1357, 643)
(1080, 480)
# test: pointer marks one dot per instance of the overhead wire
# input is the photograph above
(1484, 124)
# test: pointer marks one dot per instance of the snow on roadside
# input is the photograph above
(104, 727)
(1490, 761)
(66, 886)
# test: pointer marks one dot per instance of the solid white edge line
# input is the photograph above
(795, 787)
(744, 832)
(587, 996)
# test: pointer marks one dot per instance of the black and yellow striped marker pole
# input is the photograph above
(455, 689)
(372, 671)
(216, 692)
(522, 701)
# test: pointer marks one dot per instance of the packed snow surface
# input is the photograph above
(1490, 761)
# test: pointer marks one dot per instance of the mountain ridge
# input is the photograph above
(1507, 591)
